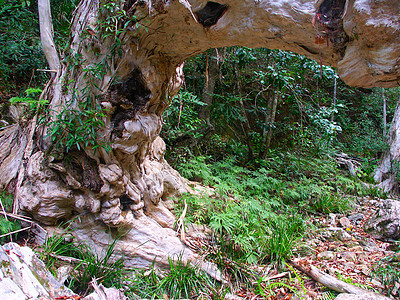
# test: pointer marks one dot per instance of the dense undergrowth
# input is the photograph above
(258, 215)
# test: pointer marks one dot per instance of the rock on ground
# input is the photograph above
(24, 276)
(368, 296)
(385, 223)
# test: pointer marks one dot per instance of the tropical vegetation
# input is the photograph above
(262, 150)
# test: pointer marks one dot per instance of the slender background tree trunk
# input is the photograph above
(211, 75)
(384, 125)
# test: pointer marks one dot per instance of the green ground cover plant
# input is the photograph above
(387, 271)
(7, 224)
(249, 209)
(105, 267)
(180, 281)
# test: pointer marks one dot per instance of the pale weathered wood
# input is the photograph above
(331, 282)
(388, 168)
(46, 34)
(13, 142)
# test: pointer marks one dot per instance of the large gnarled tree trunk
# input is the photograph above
(125, 57)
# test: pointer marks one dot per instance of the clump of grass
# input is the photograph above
(105, 268)
(60, 245)
(284, 232)
(200, 207)
(331, 203)
(87, 264)
(182, 281)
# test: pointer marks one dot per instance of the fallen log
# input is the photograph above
(332, 282)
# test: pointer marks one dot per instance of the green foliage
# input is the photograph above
(63, 245)
(104, 267)
(227, 108)
(7, 225)
(387, 270)
(267, 289)
(20, 50)
(241, 210)
(240, 213)
(182, 116)
(308, 120)
(284, 231)
(32, 100)
(329, 295)
(115, 22)
(78, 128)
(182, 281)
(311, 184)
(366, 140)
(331, 203)
(199, 207)
(196, 168)
(61, 13)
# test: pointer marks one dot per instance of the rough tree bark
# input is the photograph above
(271, 119)
(125, 57)
(211, 75)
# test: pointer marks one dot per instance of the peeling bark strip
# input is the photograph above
(13, 141)
(125, 60)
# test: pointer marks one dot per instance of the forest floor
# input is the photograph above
(337, 245)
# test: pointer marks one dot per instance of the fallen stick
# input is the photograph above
(181, 225)
(331, 282)
(16, 231)
(277, 276)
(22, 218)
